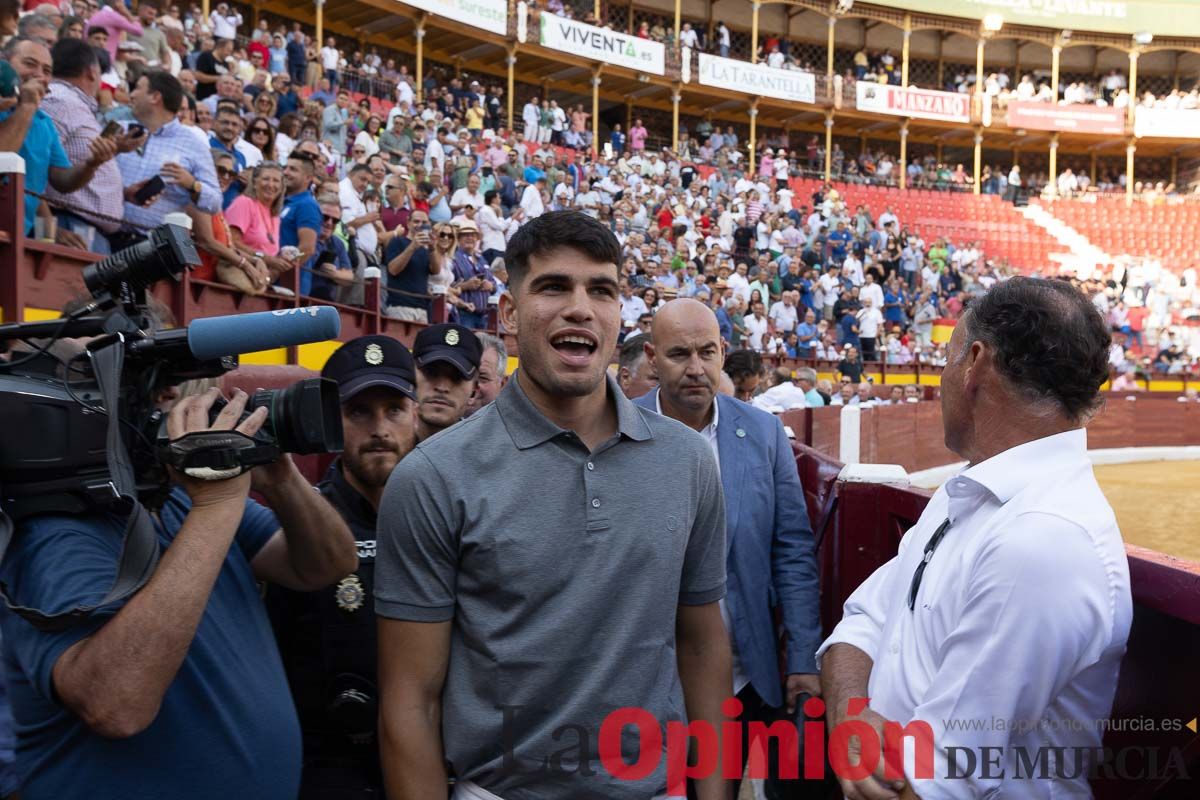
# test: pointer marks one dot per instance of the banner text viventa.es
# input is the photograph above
(601, 44)
(741, 76)
(917, 103)
(491, 15)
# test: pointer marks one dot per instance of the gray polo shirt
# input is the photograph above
(562, 571)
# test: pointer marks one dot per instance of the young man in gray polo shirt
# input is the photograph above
(530, 580)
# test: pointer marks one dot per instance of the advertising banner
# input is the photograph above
(491, 15)
(758, 79)
(1075, 118)
(917, 103)
(1170, 123)
(600, 44)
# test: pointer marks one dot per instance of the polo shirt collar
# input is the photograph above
(529, 427)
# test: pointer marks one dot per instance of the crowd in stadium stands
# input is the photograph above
(430, 192)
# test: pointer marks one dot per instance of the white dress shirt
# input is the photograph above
(755, 328)
(1022, 616)
(740, 679)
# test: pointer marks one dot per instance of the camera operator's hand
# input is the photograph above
(191, 415)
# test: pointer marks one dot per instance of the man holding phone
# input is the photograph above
(410, 262)
(71, 105)
(171, 153)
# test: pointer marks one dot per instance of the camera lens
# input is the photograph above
(304, 418)
(166, 253)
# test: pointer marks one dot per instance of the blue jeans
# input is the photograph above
(472, 320)
(84, 230)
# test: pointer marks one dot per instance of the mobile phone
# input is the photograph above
(111, 129)
(135, 131)
(153, 186)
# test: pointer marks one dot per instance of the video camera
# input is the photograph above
(84, 430)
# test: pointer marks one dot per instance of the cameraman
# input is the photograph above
(179, 691)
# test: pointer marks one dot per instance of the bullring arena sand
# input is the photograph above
(1157, 504)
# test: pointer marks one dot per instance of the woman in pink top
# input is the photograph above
(253, 220)
(637, 137)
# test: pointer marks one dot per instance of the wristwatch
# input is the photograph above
(259, 254)
(196, 187)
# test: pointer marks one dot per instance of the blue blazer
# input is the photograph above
(770, 555)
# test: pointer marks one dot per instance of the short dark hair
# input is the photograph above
(742, 364)
(489, 196)
(168, 86)
(554, 229)
(359, 168)
(1048, 340)
(302, 158)
(631, 352)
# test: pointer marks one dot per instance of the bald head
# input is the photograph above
(683, 317)
(685, 351)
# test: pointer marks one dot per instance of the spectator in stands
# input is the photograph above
(447, 358)
(409, 264)
(472, 276)
(806, 379)
(30, 132)
(87, 216)
(851, 365)
(356, 217)
(496, 229)
(635, 373)
(335, 121)
(333, 274)
(493, 366)
(210, 66)
(1015, 395)
(743, 368)
(224, 22)
(254, 221)
(153, 41)
(301, 218)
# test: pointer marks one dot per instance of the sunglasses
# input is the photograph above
(260, 130)
(225, 172)
(331, 219)
(445, 235)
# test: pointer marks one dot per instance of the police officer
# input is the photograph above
(447, 359)
(327, 638)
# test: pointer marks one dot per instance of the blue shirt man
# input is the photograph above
(300, 210)
(725, 324)
(839, 240)
(534, 172)
(41, 150)
(848, 325)
(893, 302)
(807, 334)
(228, 706)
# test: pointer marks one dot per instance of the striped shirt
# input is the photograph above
(473, 266)
(172, 142)
(74, 116)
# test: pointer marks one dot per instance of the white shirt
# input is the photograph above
(1031, 580)
(252, 154)
(872, 292)
(330, 57)
(224, 27)
(784, 316)
(869, 320)
(404, 97)
(464, 197)
(531, 202)
(632, 307)
(755, 328)
(740, 286)
(783, 397)
(353, 208)
(494, 229)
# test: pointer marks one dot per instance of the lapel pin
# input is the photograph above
(741, 433)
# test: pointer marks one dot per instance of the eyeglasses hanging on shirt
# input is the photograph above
(934, 541)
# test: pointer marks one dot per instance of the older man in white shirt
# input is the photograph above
(1000, 625)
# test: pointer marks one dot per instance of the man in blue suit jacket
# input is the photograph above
(771, 558)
